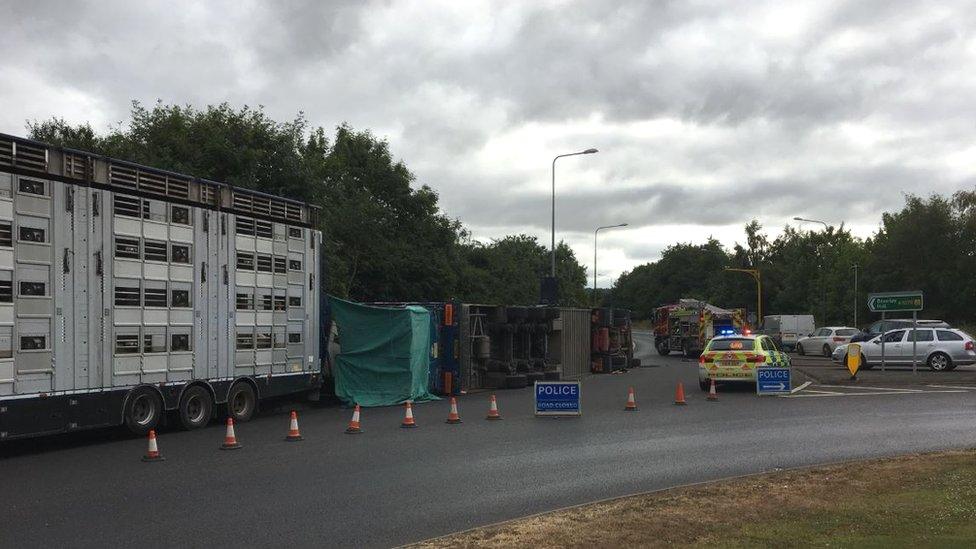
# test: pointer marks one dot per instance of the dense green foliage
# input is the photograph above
(929, 245)
(386, 238)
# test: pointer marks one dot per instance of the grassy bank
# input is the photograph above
(914, 501)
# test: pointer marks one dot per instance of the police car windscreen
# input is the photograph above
(732, 344)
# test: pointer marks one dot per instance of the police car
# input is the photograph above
(735, 357)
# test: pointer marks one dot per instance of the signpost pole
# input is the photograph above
(883, 326)
(914, 343)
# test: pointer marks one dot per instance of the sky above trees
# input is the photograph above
(707, 114)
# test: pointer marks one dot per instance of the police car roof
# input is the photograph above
(735, 336)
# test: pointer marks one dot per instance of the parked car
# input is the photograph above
(874, 330)
(825, 340)
(940, 349)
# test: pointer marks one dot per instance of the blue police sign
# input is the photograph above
(557, 398)
(770, 381)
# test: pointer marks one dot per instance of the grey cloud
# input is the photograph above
(442, 97)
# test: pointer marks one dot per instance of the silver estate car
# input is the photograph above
(940, 348)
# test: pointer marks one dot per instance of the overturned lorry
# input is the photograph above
(687, 326)
(482, 346)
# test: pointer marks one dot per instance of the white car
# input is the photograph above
(940, 349)
(825, 340)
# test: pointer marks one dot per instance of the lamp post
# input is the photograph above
(755, 274)
(598, 229)
(823, 282)
(587, 151)
(854, 267)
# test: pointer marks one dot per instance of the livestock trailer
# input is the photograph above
(128, 291)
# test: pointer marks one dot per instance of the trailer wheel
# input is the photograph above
(142, 410)
(241, 402)
(196, 408)
(516, 381)
(662, 348)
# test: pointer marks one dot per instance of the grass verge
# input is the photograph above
(923, 500)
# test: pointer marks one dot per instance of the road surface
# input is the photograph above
(391, 486)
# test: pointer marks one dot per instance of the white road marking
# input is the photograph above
(801, 387)
(968, 387)
(899, 389)
(808, 394)
(824, 392)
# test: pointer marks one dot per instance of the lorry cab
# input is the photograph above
(736, 357)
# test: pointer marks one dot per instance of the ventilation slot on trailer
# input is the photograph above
(78, 166)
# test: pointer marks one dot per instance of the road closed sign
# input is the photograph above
(557, 398)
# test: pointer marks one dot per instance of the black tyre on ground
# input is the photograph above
(142, 410)
(704, 384)
(635, 363)
(241, 402)
(864, 364)
(826, 351)
(516, 381)
(799, 349)
(196, 408)
(939, 362)
(662, 347)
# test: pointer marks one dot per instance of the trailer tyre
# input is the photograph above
(517, 381)
(241, 402)
(662, 348)
(196, 408)
(142, 410)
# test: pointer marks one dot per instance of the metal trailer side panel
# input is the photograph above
(574, 344)
(465, 359)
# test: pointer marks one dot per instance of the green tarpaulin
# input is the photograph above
(384, 353)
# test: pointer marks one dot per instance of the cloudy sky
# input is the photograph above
(706, 114)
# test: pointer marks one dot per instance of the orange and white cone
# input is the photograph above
(293, 434)
(152, 454)
(493, 409)
(453, 418)
(230, 439)
(712, 395)
(631, 401)
(353, 428)
(408, 422)
(679, 395)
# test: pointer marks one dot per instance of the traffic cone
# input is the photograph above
(631, 401)
(493, 409)
(293, 434)
(152, 454)
(712, 395)
(230, 439)
(679, 394)
(408, 422)
(453, 418)
(353, 428)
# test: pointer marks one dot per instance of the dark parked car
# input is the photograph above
(874, 330)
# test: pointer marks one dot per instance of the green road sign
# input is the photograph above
(895, 302)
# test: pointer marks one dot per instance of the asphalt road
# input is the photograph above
(391, 486)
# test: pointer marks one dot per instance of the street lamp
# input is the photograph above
(812, 221)
(754, 273)
(598, 229)
(587, 151)
(854, 267)
(823, 282)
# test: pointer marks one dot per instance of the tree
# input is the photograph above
(384, 234)
(385, 240)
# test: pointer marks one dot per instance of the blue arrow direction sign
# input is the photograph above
(771, 381)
